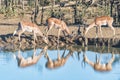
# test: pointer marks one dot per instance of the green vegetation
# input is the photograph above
(71, 11)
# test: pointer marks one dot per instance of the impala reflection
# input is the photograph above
(98, 65)
(59, 62)
(24, 62)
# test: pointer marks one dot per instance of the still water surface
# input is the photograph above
(76, 66)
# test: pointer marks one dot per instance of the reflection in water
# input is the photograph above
(22, 62)
(6, 57)
(98, 66)
(60, 61)
(65, 64)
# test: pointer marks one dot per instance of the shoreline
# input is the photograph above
(8, 42)
(11, 43)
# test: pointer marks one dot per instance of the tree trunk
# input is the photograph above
(118, 10)
(0, 3)
(75, 13)
(42, 15)
(36, 11)
(53, 3)
(23, 4)
(6, 3)
(36, 8)
(111, 8)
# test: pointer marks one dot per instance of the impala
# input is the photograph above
(58, 24)
(60, 61)
(98, 66)
(24, 62)
(29, 27)
(99, 21)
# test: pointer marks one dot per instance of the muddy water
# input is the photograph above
(66, 63)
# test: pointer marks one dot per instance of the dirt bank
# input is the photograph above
(8, 42)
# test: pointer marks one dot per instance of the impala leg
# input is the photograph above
(98, 60)
(96, 32)
(59, 35)
(49, 28)
(34, 51)
(85, 31)
(20, 34)
(48, 58)
(63, 53)
(47, 32)
(58, 52)
(58, 56)
(68, 55)
(34, 54)
(35, 38)
(64, 33)
(101, 31)
(112, 59)
(19, 54)
(88, 61)
(112, 28)
(110, 25)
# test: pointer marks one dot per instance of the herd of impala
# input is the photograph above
(61, 26)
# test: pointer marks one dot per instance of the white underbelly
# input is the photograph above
(28, 29)
(57, 26)
(104, 24)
